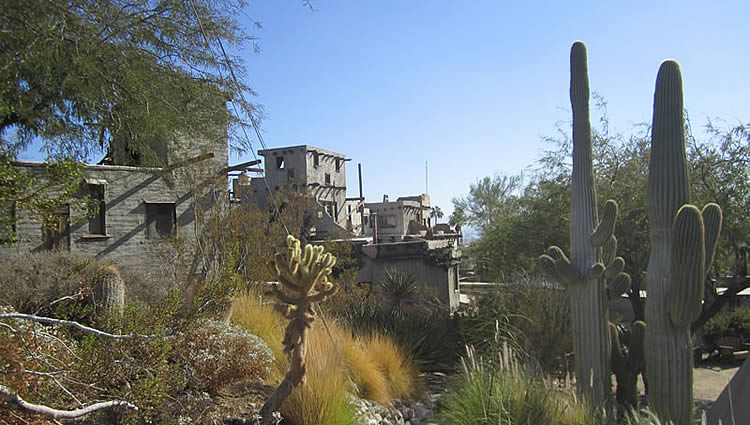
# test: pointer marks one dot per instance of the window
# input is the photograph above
(160, 220)
(316, 159)
(328, 179)
(280, 162)
(97, 224)
(338, 165)
(56, 230)
(387, 220)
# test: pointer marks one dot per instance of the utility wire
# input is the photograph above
(253, 120)
(260, 139)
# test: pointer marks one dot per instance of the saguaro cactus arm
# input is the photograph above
(682, 244)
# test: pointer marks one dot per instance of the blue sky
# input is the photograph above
(471, 86)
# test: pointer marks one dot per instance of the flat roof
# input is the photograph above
(307, 148)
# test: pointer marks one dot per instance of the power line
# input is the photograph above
(253, 122)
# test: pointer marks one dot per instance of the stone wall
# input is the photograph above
(434, 268)
(127, 239)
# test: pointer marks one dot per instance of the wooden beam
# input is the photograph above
(244, 165)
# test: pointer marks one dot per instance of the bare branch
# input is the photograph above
(77, 325)
(11, 397)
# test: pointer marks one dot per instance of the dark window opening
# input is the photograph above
(328, 178)
(386, 221)
(338, 165)
(316, 159)
(160, 220)
(280, 162)
(97, 224)
(57, 230)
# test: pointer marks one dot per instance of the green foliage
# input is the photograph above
(83, 75)
(529, 316)
(429, 335)
(32, 282)
(720, 171)
(734, 323)
(498, 390)
(488, 199)
(398, 289)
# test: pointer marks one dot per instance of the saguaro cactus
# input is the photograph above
(683, 241)
(303, 275)
(581, 274)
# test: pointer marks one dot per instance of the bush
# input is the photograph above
(218, 354)
(29, 283)
(734, 323)
(502, 391)
(428, 334)
(532, 318)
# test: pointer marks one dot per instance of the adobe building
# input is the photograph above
(140, 208)
(318, 172)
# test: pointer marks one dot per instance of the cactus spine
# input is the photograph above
(683, 241)
(582, 272)
(303, 274)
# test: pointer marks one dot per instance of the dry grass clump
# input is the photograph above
(396, 367)
(252, 312)
(374, 366)
(367, 376)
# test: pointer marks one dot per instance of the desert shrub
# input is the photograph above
(29, 283)
(375, 367)
(93, 368)
(253, 312)
(430, 337)
(533, 317)
(733, 323)
(502, 391)
(217, 354)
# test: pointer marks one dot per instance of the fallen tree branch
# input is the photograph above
(77, 325)
(14, 398)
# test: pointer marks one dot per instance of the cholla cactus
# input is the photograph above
(593, 270)
(303, 275)
(683, 241)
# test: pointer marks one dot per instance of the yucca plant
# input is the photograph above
(399, 289)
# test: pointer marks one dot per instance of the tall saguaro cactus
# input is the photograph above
(581, 275)
(683, 240)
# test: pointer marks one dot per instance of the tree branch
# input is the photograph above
(11, 397)
(77, 325)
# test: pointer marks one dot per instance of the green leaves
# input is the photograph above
(85, 75)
